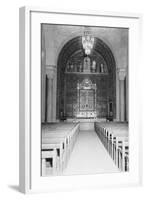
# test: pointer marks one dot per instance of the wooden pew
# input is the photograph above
(58, 146)
(122, 151)
(61, 138)
(48, 155)
(69, 136)
(114, 137)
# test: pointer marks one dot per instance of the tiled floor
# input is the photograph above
(89, 156)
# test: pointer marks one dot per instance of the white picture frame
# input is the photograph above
(29, 160)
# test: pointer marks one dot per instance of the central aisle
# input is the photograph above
(89, 156)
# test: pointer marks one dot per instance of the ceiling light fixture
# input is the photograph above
(87, 42)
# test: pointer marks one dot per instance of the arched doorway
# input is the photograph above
(73, 67)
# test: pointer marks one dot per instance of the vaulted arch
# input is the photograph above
(74, 46)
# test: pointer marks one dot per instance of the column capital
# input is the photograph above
(50, 71)
(49, 75)
(121, 73)
(51, 67)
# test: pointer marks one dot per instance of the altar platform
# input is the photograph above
(86, 123)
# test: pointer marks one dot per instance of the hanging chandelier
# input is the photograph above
(87, 42)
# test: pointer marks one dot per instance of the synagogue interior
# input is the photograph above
(84, 100)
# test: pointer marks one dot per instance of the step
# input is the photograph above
(85, 126)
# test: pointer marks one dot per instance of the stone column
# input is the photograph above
(127, 95)
(122, 75)
(122, 116)
(117, 99)
(54, 97)
(49, 99)
(51, 91)
(65, 97)
(43, 86)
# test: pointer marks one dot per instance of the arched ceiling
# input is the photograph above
(75, 45)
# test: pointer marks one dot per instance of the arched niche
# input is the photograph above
(67, 83)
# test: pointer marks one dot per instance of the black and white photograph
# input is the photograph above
(84, 100)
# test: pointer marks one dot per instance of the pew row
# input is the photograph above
(59, 138)
(115, 138)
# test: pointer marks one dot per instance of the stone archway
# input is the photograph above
(66, 83)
